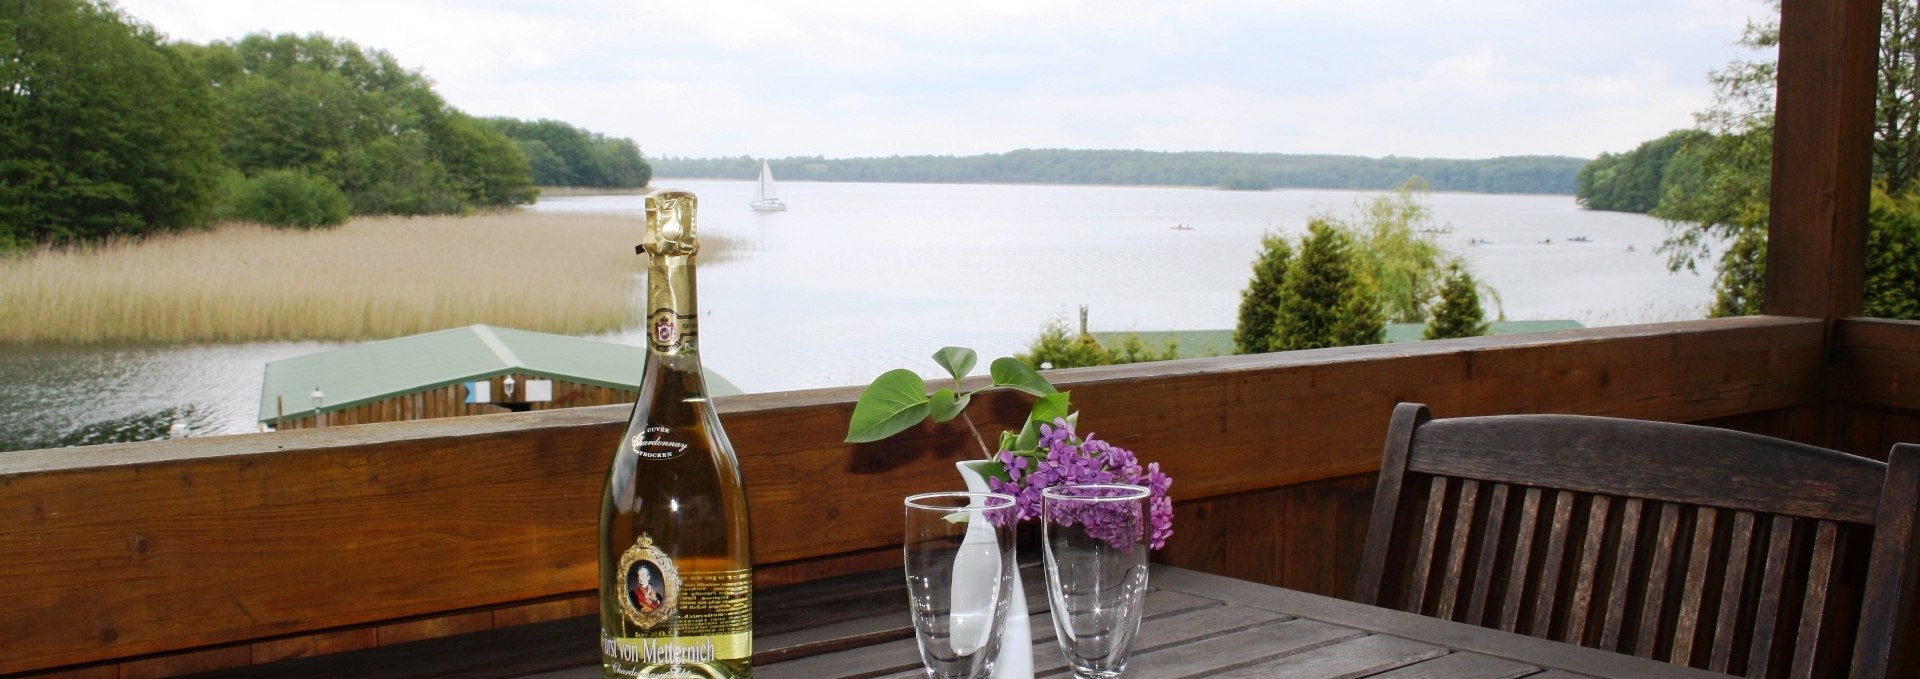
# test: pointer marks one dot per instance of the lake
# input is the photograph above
(855, 279)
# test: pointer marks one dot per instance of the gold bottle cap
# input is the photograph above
(670, 230)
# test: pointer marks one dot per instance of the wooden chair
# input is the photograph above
(1719, 549)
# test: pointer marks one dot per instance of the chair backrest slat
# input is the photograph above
(1693, 594)
(1457, 548)
(1522, 557)
(1739, 542)
(1655, 600)
(1490, 532)
(1550, 565)
(1429, 538)
(1694, 546)
(1614, 630)
(1580, 608)
(1772, 591)
(1813, 611)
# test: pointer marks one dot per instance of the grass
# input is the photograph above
(370, 278)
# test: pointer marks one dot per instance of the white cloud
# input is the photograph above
(880, 77)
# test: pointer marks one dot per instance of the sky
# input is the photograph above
(847, 78)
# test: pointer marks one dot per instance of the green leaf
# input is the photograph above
(1050, 407)
(946, 405)
(957, 360)
(896, 400)
(1012, 373)
(1029, 438)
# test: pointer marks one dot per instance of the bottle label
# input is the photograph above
(682, 618)
(669, 332)
(652, 444)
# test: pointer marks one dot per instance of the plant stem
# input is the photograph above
(976, 435)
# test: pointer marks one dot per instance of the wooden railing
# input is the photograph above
(157, 558)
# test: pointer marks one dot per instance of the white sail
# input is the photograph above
(765, 199)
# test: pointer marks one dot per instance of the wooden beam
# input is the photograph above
(1822, 157)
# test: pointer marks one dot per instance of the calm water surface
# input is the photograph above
(856, 279)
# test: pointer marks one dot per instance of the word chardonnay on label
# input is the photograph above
(676, 578)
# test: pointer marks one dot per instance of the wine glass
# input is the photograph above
(1096, 561)
(959, 555)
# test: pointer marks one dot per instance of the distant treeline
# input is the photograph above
(1636, 180)
(108, 130)
(1245, 171)
(563, 155)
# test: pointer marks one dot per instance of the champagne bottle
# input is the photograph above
(676, 578)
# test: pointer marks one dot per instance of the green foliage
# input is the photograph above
(103, 132)
(1060, 347)
(1326, 300)
(289, 198)
(1133, 349)
(1513, 174)
(1893, 257)
(564, 155)
(1741, 284)
(354, 116)
(1397, 252)
(1631, 181)
(1459, 313)
(1253, 333)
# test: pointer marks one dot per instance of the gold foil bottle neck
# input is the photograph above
(670, 224)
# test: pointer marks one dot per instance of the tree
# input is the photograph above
(1326, 301)
(1397, 252)
(103, 132)
(355, 116)
(1459, 313)
(1253, 333)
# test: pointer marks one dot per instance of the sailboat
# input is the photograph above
(764, 199)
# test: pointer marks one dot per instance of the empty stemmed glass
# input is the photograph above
(959, 556)
(1096, 561)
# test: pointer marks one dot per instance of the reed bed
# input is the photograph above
(370, 278)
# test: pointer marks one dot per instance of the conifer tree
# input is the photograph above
(1258, 303)
(1325, 302)
(1459, 313)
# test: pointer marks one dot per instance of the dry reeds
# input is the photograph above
(370, 278)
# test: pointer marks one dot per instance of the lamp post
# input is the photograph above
(319, 402)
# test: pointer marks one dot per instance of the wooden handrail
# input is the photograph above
(117, 551)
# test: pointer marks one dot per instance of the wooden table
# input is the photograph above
(1196, 625)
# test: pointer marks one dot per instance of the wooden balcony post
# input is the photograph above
(1822, 158)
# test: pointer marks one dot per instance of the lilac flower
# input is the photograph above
(1060, 458)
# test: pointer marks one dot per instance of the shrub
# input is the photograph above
(290, 198)
(1459, 313)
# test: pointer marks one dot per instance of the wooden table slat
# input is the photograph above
(1462, 666)
(1356, 658)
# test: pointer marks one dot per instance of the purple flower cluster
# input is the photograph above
(1063, 459)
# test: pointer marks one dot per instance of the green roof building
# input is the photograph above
(474, 370)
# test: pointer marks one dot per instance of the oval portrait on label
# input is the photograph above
(649, 584)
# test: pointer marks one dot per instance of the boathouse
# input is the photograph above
(473, 370)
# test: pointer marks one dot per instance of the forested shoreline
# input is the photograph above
(108, 130)
(1240, 171)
